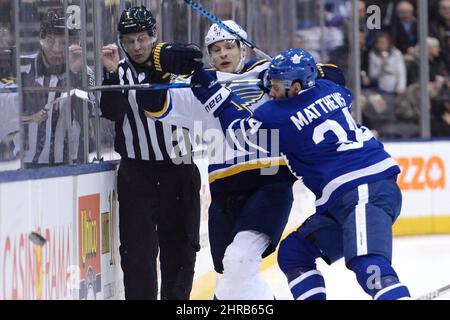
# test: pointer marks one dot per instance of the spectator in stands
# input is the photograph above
(386, 66)
(441, 28)
(408, 107)
(446, 50)
(436, 62)
(404, 32)
(387, 8)
(440, 114)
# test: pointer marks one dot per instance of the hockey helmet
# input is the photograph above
(294, 65)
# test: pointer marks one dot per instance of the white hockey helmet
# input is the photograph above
(216, 34)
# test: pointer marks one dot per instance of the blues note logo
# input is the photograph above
(245, 96)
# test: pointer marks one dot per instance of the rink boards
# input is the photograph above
(75, 210)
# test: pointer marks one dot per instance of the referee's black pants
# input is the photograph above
(159, 208)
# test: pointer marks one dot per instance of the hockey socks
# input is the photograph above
(309, 285)
(296, 258)
(377, 278)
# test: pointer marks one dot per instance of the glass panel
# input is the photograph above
(55, 122)
(439, 51)
(110, 12)
(54, 48)
(390, 72)
(9, 104)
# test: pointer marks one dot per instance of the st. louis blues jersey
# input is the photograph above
(319, 139)
(229, 169)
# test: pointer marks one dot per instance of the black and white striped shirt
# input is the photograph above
(59, 137)
(138, 136)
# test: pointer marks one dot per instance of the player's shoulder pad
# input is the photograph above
(326, 86)
(256, 63)
(331, 72)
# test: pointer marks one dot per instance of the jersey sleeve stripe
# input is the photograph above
(157, 56)
(339, 181)
(165, 110)
(257, 63)
(257, 164)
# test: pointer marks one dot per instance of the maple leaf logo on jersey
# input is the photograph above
(296, 59)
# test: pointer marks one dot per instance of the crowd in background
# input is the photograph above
(390, 65)
(390, 68)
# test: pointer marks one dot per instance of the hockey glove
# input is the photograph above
(176, 58)
(208, 91)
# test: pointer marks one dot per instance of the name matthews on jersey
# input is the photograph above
(310, 113)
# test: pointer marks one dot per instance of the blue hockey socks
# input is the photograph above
(296, 258)
(377, 278)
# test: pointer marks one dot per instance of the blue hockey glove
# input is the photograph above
(208, 91)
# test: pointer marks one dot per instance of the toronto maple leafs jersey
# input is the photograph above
(319, 139)
(229, 168)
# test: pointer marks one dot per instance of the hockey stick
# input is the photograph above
(182, 85)
(434, 294)
(143, 86)
(8, 90)
(81, 94)
(222, 25)
(13, 89)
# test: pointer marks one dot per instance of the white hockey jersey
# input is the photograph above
(229, 169)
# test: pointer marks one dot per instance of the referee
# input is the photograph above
(159, 197)
(52, 135)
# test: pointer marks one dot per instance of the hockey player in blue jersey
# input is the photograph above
(352, 177)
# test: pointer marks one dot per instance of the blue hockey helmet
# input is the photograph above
(294, 65)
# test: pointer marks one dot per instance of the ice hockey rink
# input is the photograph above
(59, 218)
(422, 263)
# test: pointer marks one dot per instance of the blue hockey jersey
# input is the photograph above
(320, 140)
